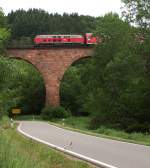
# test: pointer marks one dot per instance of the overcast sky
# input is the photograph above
(86, 7)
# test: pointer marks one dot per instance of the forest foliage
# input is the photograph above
(4, 33)
(112, 87)
(25, 25)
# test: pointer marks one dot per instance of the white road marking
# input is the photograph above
(95, 162)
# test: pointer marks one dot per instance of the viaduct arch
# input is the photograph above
(52, 64)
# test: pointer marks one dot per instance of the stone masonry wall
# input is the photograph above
(52, 64)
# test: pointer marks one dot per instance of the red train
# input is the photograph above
(86, 39)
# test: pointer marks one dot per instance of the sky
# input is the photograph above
(85, 7)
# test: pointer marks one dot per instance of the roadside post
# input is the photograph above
(11, 122)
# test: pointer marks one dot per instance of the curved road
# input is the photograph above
(105, 152)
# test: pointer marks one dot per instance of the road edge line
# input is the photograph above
(93, 161)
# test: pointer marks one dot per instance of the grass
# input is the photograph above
(17, 151)
(27, 117)
(81, 124)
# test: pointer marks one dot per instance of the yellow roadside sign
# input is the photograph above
(16, 111)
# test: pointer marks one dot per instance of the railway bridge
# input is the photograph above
(52, 64)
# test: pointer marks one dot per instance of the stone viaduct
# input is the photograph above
(52, 64)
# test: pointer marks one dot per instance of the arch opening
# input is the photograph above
(72, 87)
(29, 85)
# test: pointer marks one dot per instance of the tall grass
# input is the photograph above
(10, 158)
(133, 137)
(5, 122)
(17, 151)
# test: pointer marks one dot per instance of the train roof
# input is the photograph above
(58, 35)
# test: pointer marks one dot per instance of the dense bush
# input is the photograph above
(49, 113)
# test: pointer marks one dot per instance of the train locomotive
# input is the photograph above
(60, 39)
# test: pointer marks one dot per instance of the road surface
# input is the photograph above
(109, 153)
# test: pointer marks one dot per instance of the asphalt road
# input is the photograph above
(115, 153)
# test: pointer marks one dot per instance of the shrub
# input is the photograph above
(5, 122)
(54, 112)
(138, 127)
(95, 122)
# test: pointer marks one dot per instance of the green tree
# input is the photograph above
(4, 33)
(116, 78)
(21, 86)
(3, 22)
(137, 11)
(36, 21)
(71, 91)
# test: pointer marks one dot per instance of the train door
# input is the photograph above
(90, 39)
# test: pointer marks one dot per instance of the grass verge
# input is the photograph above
(18, 151)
